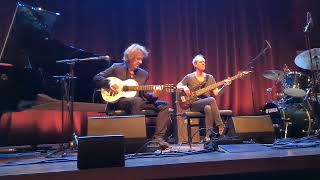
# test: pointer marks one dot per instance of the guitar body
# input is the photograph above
(110, 97)
(186, 101)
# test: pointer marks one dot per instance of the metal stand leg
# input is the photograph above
(189, 131)
(286, 129)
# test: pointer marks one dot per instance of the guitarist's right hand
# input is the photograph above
(114, 88)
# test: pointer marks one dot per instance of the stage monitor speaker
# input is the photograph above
(100, 151)
(256, 128)
(133, 128)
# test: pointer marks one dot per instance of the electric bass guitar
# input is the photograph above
(129, 88)
(186, 101)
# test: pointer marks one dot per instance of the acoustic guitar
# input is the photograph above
(129, 88)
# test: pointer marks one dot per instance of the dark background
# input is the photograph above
(228, 33)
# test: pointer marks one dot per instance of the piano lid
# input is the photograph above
(28, 59)
(29, 41)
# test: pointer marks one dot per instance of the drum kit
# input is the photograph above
(292, 113)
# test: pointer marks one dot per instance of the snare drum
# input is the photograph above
(296, 84)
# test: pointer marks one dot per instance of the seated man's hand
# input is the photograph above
(114, 88)
(185, 90)
(227, 82)
(156, 92)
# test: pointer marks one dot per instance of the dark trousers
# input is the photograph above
(210, 108)
(135, 105)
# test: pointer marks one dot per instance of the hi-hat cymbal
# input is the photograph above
(303, 59)
(274, 75)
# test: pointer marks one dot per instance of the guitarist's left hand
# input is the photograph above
(156, 93)
(227, 82)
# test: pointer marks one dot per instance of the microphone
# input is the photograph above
(268, 44)
(106, 58)
(309, 25)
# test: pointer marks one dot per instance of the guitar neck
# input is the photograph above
(213, 86)
(141, 88)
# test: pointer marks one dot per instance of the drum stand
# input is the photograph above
(315, 80)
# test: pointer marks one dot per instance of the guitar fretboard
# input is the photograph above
(213, 86)
(142, 88)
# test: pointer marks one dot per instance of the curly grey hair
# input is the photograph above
(133, 48)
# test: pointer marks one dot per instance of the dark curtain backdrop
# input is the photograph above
(228, 33)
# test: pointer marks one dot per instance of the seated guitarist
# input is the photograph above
(206, 103)
(129, 69)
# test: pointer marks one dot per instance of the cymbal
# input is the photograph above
(303, 59)
(275, 75)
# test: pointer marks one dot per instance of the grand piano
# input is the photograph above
(31, 51)
(28, 72)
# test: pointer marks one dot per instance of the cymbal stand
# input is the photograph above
(271, 89)
(314, 76)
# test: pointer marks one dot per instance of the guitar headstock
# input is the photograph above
(169, 87)
(243, 74)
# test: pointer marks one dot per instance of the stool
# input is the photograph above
(189, 115)
(225, 115)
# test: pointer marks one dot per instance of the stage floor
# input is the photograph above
(178, 162)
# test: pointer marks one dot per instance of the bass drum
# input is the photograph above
(292, 121)
(298, 122)
(275, 112)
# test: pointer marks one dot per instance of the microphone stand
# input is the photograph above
(250, 67)
(70, 97)
(68, 93)
(314, 73)
(66, 87)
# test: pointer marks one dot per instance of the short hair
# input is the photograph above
(195, 59)
(132, 48)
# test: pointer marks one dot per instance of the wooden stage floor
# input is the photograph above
(177, 163)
